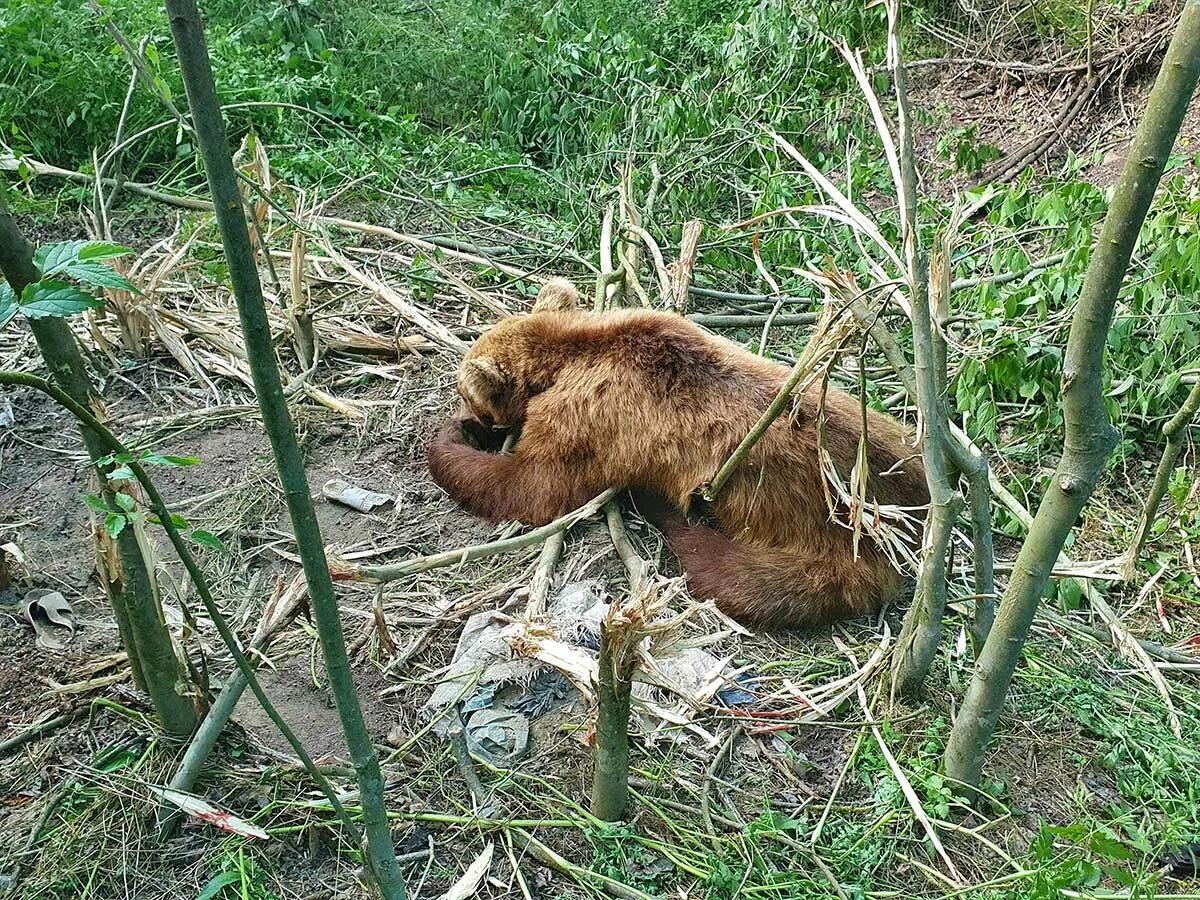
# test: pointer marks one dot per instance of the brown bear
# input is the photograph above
(646, 400)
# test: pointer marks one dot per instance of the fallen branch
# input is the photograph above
(9, 163)
(41, 729)
(1104, 636)
(1029, 152)
(1174, 432)
(751, 321)
(345, 571)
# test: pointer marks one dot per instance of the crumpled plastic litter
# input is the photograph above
(670, 686)
(544, 693)
(735, 696)
(483, 655)
(500, 736)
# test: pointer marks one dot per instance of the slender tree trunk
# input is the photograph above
(222, 180)
(922, 629)
(610, 779)
(1174, 432)
(140, 623)
(1090, 436)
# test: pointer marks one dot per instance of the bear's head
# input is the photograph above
(504, 367)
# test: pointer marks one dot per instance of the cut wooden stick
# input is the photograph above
(680, 271)
(543, 575)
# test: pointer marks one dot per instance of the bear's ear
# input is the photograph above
(481, 383)
(556, 295)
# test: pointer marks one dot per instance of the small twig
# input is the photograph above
(548, 857)
(1006, 277)
(135, 58)
(1174, 431)
(1029, 152)
(219, 713)
(41, 729)
(710, 774)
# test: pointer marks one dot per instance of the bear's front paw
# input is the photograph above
(469, 432)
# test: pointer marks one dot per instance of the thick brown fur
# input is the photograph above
(648, 401)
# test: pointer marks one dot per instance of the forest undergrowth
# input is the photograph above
(417, 169)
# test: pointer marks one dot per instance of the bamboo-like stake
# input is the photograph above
(1090, 436)
(610, 776)
(194, 64)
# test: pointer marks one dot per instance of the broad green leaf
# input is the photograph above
(121, 473)
(53, 298)
(99, 275)
(218, 883)
(177, 521)
(156, 459)
(113, 458)
(52, 258)
(94, 251)
(1110, 847)
(96, 504)
(115, 524)
(124, 501)
(8, 304)
(209, 540)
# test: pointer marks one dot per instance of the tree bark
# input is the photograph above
(1090, 436)
(140, 624)
(197, 73)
